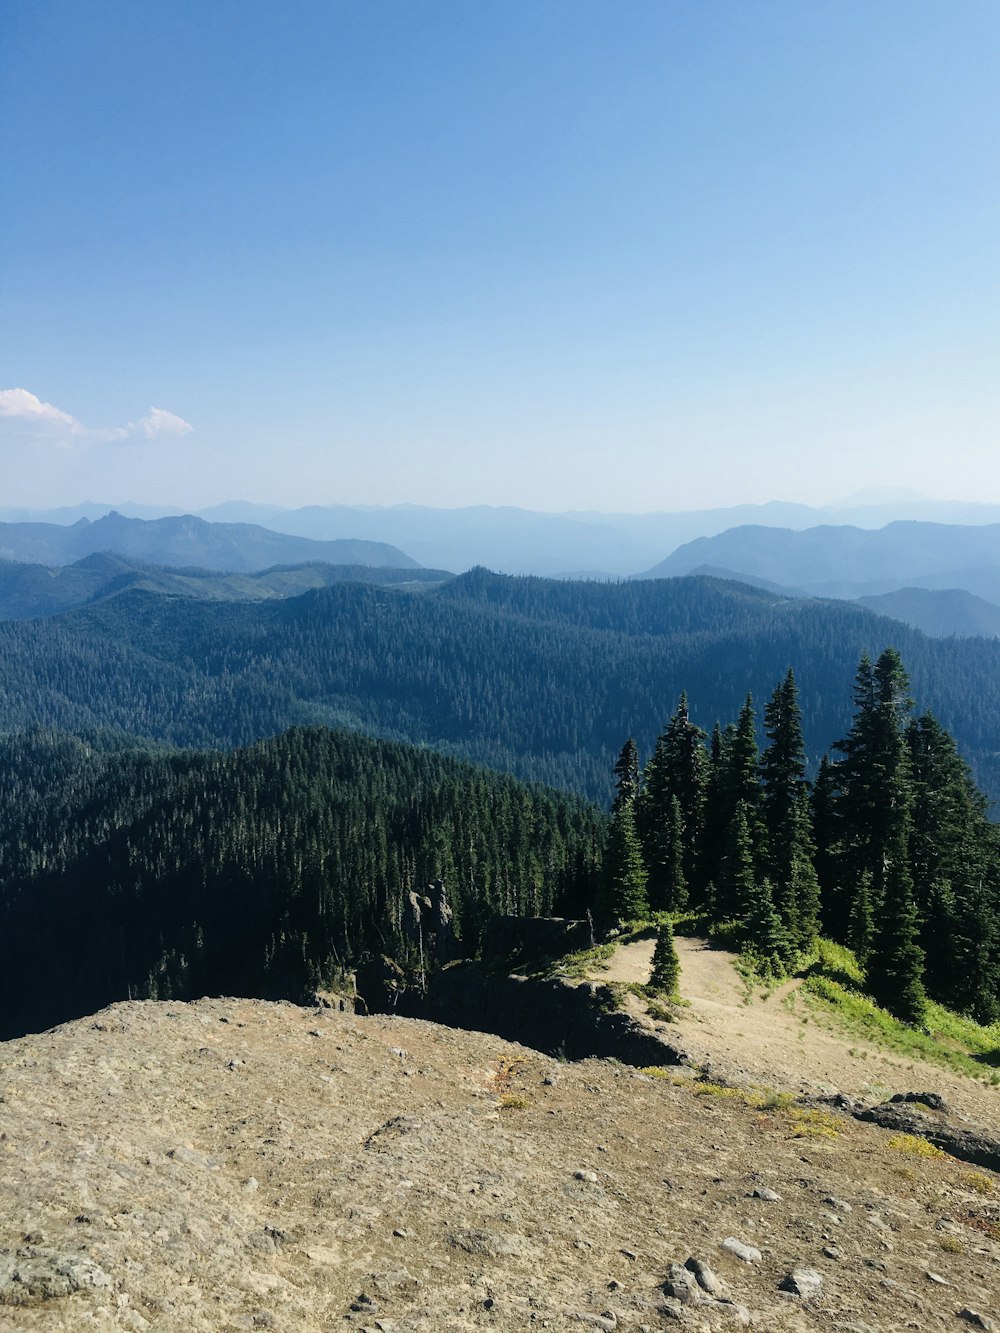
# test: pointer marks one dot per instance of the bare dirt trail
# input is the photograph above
(781, 1042)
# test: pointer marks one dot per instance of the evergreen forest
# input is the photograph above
(267, 871)
(889, 850)
(535, 677)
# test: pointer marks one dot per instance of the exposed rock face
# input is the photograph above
(563, 1018)
(427, 924)
(237, 1165)
(966, 1144)
(535, 937)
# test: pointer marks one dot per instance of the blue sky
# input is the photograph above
(557, 254)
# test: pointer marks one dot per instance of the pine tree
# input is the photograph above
(627, 774)
(861, 926)
(764, 933)
(836, 900)
(896, 966)
(666, 970)
(737, 886)
(715, 816)
(802, 915)
(625, 871)
(788, 860)
(677, 768)
(874, 776)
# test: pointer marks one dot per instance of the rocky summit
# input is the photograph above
(235, 1165)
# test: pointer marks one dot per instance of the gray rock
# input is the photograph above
(191, 1158)
(488, 1244)
(769, 1196)
(706, 1278)
(932, 1099)
(977, 1320)
(682, 1285)
(30, 1276)
(804, 1282)
(938, 1279)
(606, 1321)
(748, 1253)
(833, 1252)
(841, 1205)
(590, 1177)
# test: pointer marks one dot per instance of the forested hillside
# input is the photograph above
(31, 590)
(537, 677)
(889, 851)
(126, 872)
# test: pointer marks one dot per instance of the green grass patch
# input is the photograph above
(832, 986)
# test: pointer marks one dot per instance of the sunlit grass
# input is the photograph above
(947, 1039)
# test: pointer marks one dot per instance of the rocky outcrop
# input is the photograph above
(557, 1016)
(535, 937)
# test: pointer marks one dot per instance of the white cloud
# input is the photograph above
(24, 406)
(158, 422)
(31, 414)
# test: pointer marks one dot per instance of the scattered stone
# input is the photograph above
(936, 1277)
(605, 1321)
(748, 1253)
(30, 1276)
(983, 1321)
(590, 1177)
(629, 1254)
(250, 1184)
(682, 1285)
(761, 1192)
(804, 1282)
(550, 1080)
(833, 1252)
(488, 1244)
(841, 1205)
(191, 1158)
(399, 1052)
(707, 1279)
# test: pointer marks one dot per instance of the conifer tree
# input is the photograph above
(715, 816)
(787, 819)
(764, 932)
(802, 897)
(627, 774)
(874, 775)
(666, 970)
(736, 890)
(836, 900)
(677, 767)
(625, 871)
(861, 926)
(896, 966)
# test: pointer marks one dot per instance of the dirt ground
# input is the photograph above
(782, 1043)
(235, 1165)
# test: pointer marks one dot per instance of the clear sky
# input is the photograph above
(610, 254)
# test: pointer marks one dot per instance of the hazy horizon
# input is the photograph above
(562, 256)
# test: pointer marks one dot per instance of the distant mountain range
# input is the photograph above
(31, 590)
(940, 613)
(187, 541)
(850, 562)
(522, 541)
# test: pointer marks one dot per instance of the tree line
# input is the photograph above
(131, 872)
(889, 850)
